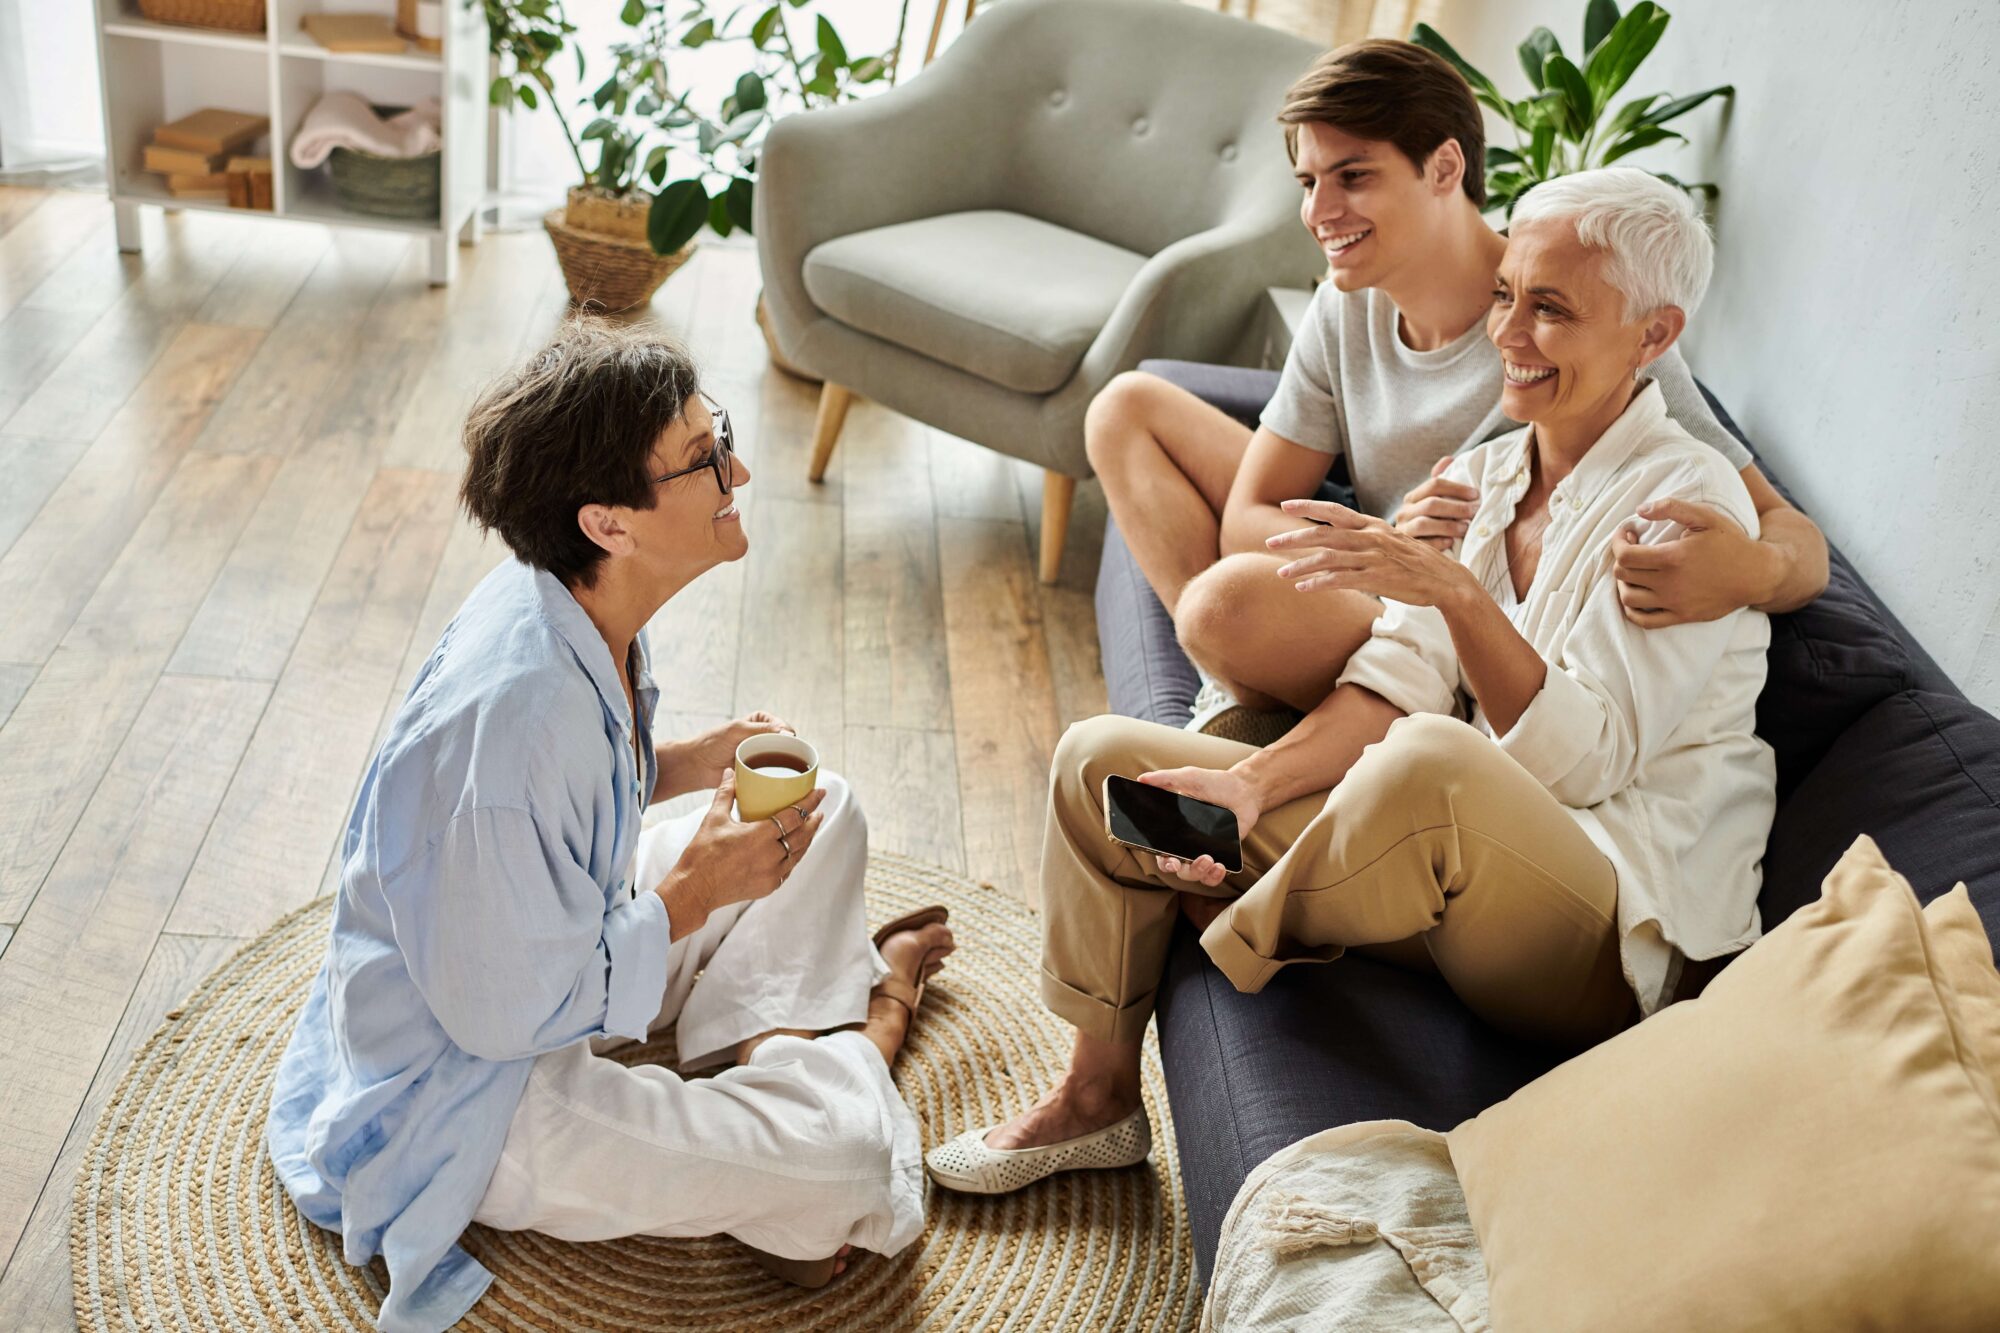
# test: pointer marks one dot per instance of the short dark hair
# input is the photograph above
(1394, 92)
(574, 424)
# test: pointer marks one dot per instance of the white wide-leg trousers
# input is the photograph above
(807, 1148)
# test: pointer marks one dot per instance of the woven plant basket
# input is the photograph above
(607, 214)
(388, 187)
(609, 273)
(233, 15)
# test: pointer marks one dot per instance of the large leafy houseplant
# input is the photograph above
(641, 127)
(1563, 127)
(523, 36)
(779, 76)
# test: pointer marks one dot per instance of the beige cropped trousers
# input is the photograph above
(1437, 851)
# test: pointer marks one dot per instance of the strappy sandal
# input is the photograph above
(896, 988)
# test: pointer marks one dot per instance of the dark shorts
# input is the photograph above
(1334, 487)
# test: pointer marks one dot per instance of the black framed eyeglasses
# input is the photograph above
(721, 459)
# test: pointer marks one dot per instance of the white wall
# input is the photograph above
(1853, 328)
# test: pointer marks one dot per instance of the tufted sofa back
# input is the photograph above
(1138, 122)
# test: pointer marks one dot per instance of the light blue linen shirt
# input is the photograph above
(484, 919)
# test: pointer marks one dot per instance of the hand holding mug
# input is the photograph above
(716, 747)
(733, 861)
(772, 772)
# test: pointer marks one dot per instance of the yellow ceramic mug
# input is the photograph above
(772, 772)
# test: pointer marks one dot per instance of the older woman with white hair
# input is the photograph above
(1512, 785)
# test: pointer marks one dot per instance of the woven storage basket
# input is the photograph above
(607, 215)
(234, 15)
(606, 272)
(389, 187)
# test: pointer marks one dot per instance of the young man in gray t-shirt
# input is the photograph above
(1391, 371)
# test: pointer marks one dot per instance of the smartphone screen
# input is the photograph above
(1167, 823)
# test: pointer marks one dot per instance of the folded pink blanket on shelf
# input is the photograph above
(345, 120)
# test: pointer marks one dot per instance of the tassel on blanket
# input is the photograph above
(1295, 1225)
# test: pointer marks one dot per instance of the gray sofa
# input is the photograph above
(1870, 737)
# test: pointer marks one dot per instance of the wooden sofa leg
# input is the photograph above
(1058, 490)
(833, 401)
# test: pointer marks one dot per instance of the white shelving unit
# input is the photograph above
(157, 72)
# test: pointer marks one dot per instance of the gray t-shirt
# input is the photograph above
(1352, 386)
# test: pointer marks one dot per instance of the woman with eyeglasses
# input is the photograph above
(503, 919)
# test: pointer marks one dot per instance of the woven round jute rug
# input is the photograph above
(180, 1222)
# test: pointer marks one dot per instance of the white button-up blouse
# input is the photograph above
(1647, 735)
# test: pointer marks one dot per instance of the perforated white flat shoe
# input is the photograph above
(967, 1165)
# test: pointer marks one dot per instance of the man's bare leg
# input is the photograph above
(1166, 459)
(1268, 643)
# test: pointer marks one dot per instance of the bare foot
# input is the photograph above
(915, 956)
(808, 1273)
(906, 951)
(1066, 1111)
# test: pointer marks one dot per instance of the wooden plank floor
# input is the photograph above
(228, 540)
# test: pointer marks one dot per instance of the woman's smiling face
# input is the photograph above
(692, 523)
(1567, 348)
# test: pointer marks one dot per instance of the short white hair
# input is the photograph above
(1658, 249)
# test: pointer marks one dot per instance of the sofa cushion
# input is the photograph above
(1240, 393)
(1146, 675)
(1920, 774)
(1358, 1039)
(1829, 662)
(1965, 956)
(1006, 297)
(1811, 1144)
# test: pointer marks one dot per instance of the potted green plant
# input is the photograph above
(1563, 127)
(641, 128)
(600, 233)
(777, 79)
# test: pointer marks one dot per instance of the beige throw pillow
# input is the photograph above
(1965, 955)
(1809, 1145)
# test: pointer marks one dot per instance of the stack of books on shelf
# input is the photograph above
(203, 156)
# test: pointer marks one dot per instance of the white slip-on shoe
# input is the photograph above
(1216, 713)
(1209, 701)
(967, 1165)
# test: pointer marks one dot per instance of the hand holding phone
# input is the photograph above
(1167, 823)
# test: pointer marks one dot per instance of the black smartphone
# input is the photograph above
(1167, 823)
